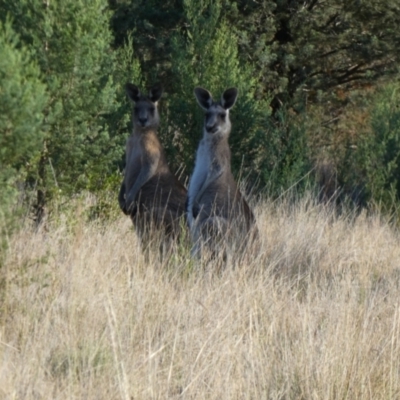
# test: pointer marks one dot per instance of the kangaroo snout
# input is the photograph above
(212, 128)
(142, 121)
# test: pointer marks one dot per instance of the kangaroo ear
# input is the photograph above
(155, 93)
(228, 98)
(203, 97)
(132, 91)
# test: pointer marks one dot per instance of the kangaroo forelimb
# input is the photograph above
(121, 198)
(146, 173)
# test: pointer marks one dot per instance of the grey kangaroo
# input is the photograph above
(218, 214)
(150, 193)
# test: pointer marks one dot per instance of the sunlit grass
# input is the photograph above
(314, 314)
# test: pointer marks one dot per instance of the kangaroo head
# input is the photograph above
(217, 113)
(145, 113)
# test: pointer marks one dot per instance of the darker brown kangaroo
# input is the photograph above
(218, 214)
(150, 193)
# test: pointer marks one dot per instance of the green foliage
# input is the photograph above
(287, 161)
(378, 154)
(153, 23)
(207, 55)
(306, 48)
(264, 151)
(300, 49)
(71, 41)
(62, 88)
(22, 101)
(284, 56)
(127, 69)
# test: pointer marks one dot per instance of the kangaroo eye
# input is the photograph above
(222, 115)
(152, 109)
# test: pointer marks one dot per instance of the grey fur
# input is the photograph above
(217, 211)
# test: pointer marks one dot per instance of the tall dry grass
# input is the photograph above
(313, 315)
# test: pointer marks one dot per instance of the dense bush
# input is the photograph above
(378, 153)
(296, 65)
(22, 102)
(82, 142)
(266, 152)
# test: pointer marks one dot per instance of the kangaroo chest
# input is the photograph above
(133, 160)
(141, 152)
(201, 168)
(210, 180)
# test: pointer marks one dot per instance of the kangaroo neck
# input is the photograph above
(217, 145)
(146, 131)
(216, 140)
(219, 136)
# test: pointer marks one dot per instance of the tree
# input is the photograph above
(22, 101)
(309, 49)
(378, 153)
(198, 43)
(152, 24)
(308, 56)
(71, 43)
(304, 51)
(207, 54)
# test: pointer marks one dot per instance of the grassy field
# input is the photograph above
(315, 314)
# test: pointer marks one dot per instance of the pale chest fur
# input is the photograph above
(201, 168)
(141, 150)
(207, 168)
(133, 149)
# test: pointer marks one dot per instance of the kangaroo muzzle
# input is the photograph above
(212, 128)
(142, 121)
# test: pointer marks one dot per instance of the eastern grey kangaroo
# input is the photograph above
(150, 193)
(218, 214)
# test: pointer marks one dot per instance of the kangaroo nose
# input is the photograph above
(143, 121)
(212, 128)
